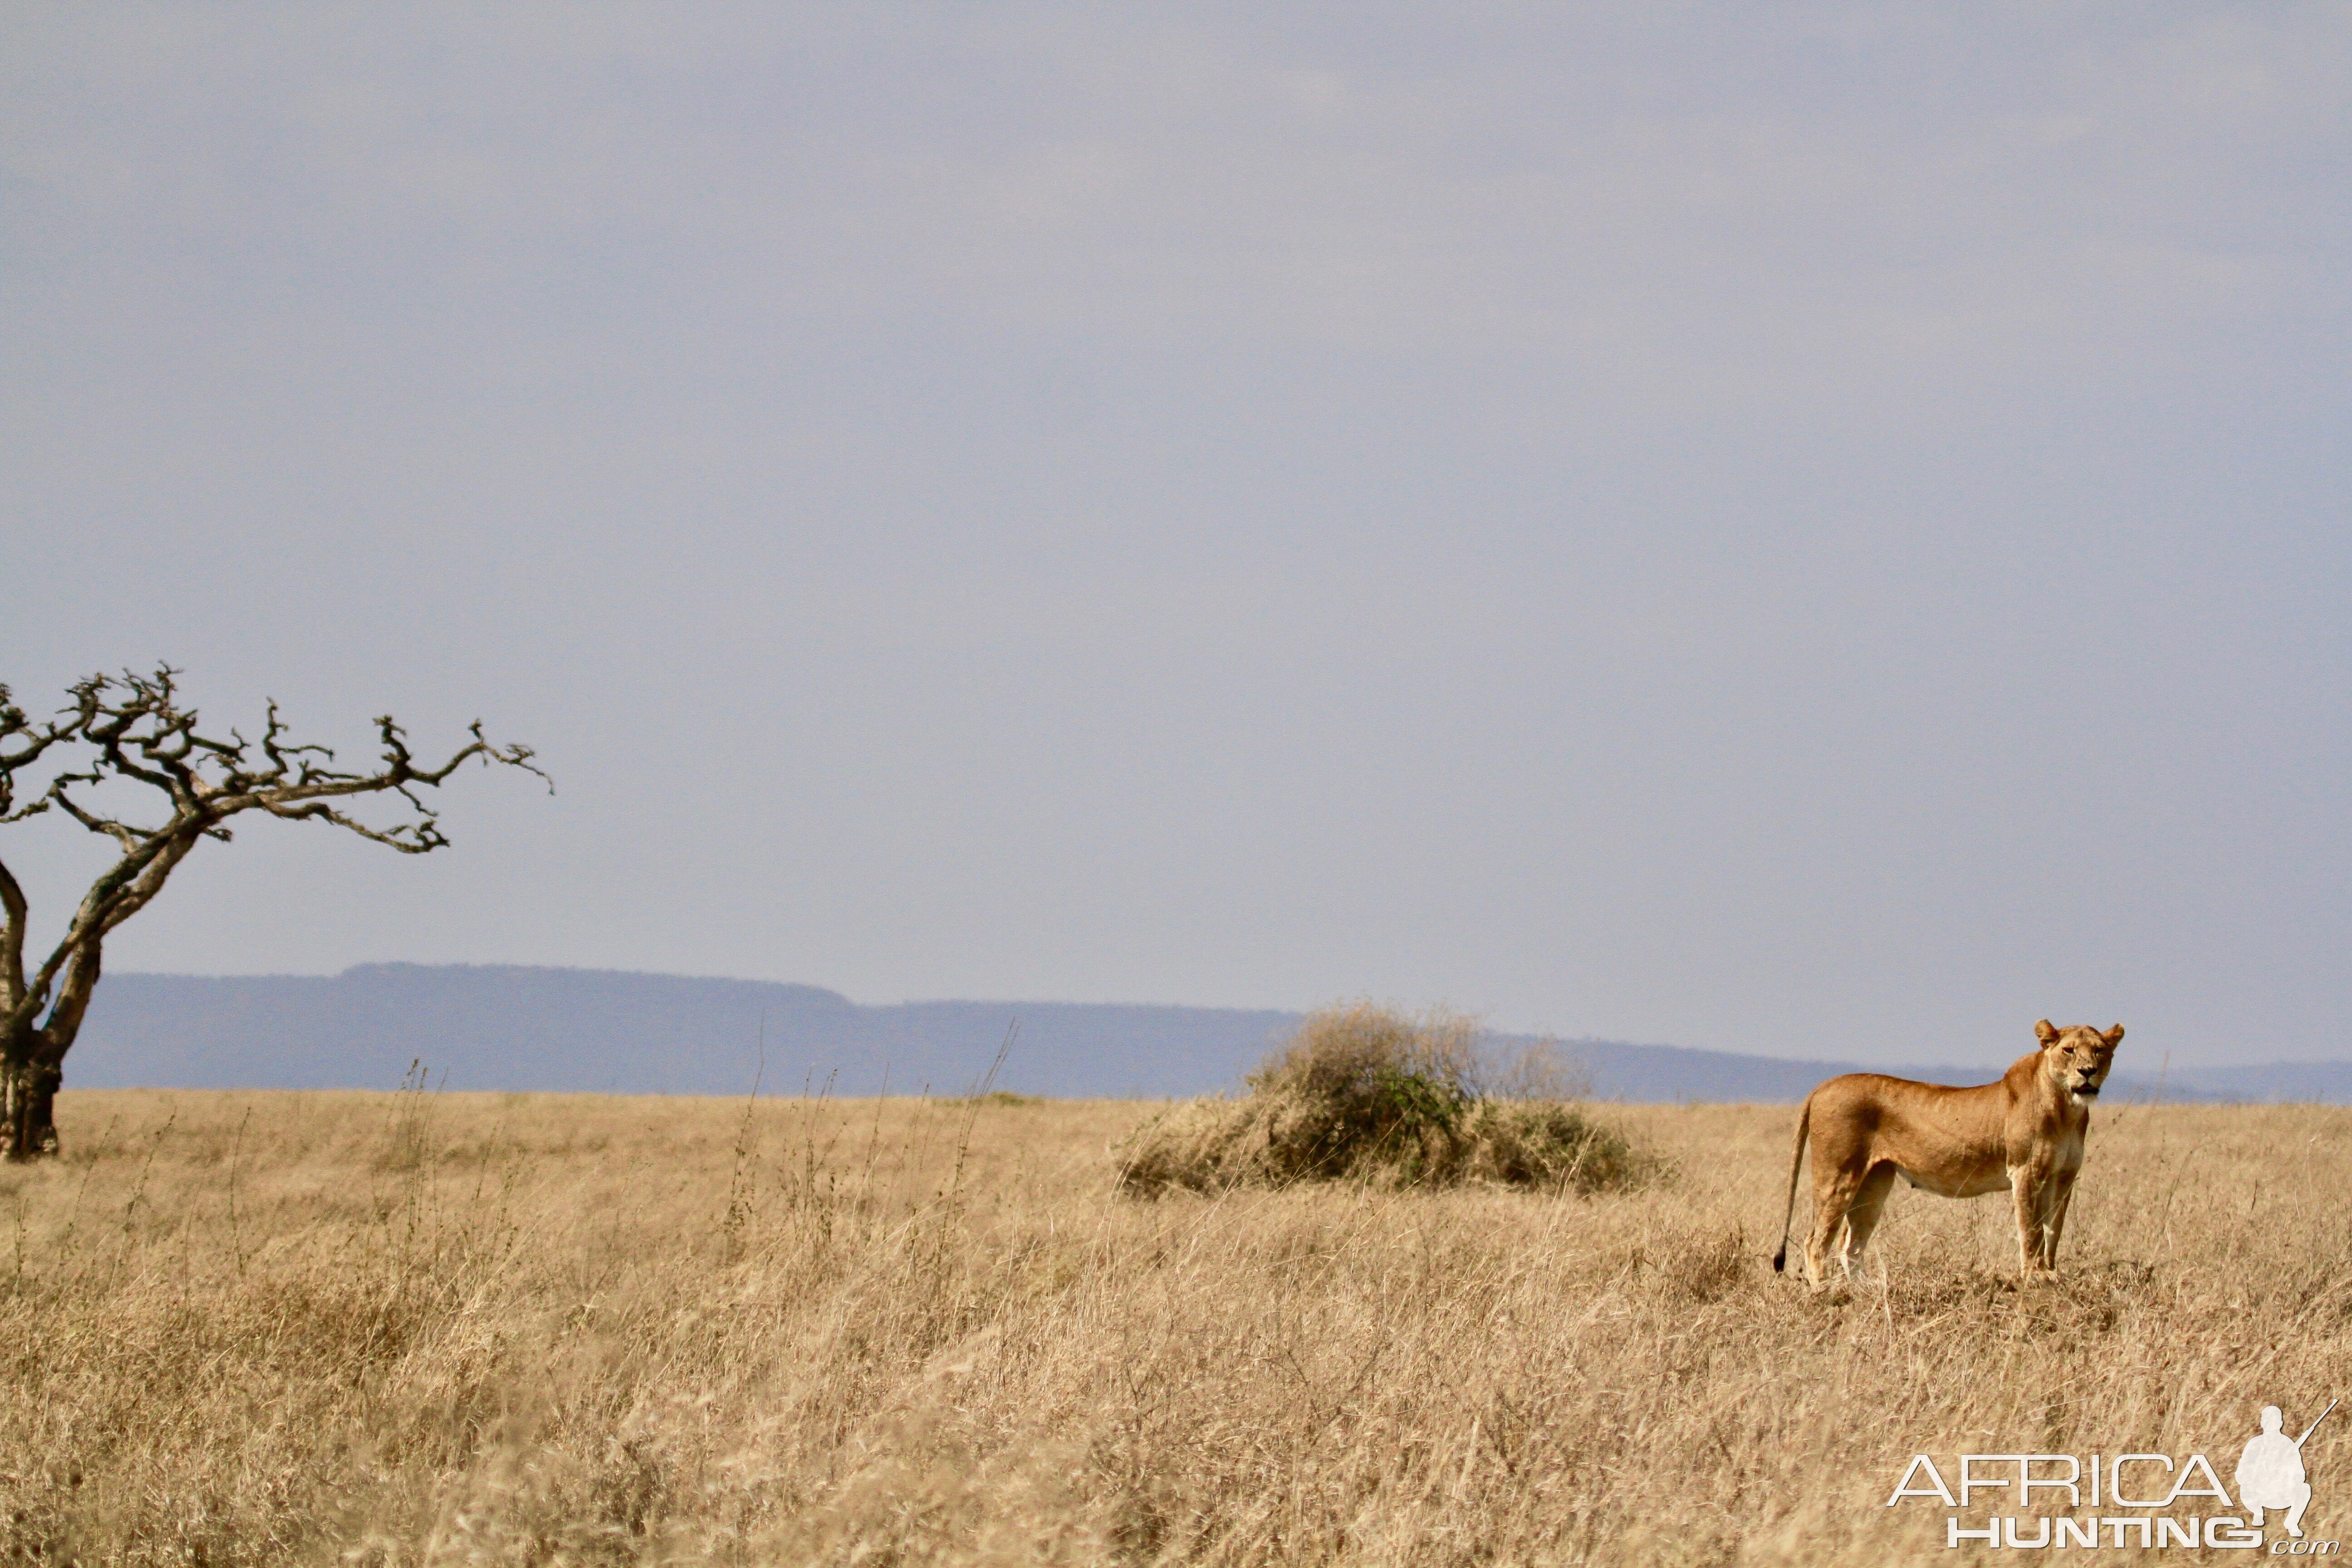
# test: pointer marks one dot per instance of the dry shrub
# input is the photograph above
(1369, 1093)
(1534, 1070)
(1540, 1143)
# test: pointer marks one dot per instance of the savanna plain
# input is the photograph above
(442, 1328)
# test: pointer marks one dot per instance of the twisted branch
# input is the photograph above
(134, 728)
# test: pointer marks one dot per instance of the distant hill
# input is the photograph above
(611, 1031)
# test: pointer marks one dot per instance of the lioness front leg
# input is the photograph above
(2060, 1202)
(2028, 1187)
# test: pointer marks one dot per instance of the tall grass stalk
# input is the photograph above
(488, 1329)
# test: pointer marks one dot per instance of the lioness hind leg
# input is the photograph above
(1862, 1217)
(1834, 1192)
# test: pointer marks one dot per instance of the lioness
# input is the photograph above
(2024, 1133)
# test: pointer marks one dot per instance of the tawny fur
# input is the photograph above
(2023, 1134)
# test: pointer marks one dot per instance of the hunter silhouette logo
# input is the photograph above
(2270, 1472)
(2151, 1502)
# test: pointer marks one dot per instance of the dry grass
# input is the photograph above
(375, 1329)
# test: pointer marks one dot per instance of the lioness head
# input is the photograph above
(2078, 1057)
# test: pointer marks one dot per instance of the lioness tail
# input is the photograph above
(1796, 1160)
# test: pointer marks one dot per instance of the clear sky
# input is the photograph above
(1806, 528)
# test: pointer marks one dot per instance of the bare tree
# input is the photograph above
(133, 731)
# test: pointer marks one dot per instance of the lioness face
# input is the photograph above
(2078, 1057)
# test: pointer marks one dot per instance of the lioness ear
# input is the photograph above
(2113, 1035)
(2043, 1032)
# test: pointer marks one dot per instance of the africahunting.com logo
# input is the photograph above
(2159, 1501)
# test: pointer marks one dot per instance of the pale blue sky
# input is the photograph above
(1814, 529)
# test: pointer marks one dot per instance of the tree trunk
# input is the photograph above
(32, 1064)
(28, 1095)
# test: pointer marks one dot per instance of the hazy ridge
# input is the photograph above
(613, 1031)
